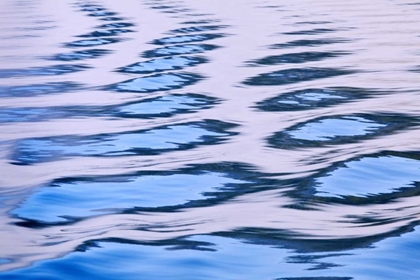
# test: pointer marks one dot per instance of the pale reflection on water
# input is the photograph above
(233, 134)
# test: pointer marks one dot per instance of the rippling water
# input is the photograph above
(254, 139)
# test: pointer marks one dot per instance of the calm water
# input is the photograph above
(254, 139)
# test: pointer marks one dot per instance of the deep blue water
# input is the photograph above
(187, 139)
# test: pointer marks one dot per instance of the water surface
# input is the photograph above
(188, 139)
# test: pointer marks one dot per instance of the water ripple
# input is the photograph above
(194, 29)
(42, 71)
(295, 58)
(187, 39)
(179, 49)
(162, 64)
(315, 31)
(372, 176)
(79, 55)
(65, 200)
(38, 89)
(157, 82)
(116, 25)
(105, 33)
(93, 42)
(307, 43)
(167, 106)
(296, 75)
(145, 142)
(313, 98)
(289, 150)
(102, 14)
(112, 18)
(339, 130)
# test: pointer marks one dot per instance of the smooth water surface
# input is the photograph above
(160, 139)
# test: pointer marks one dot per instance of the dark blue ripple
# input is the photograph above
(105, 33)
(199, 257)
(315, 31)
(203, 257)
(92, 9)
(313, 98)
(102, 14)
(53, 70)
(69, 199)
(28, 114)
(163, 7)
(162, 64)
(22, 114)
(38, 89)
(295, 58)
(340, 130)
(116, 25)
(187, 39)
(415, 70)
(93, 42)
(158, 107)
(307, 43)
(166, 106)
(87, 5)
(144, 142)
(112, 18)
(295, 75)
(176, 11)
(203, 21)
(79, 55)
(179, 49)
(194, 29)
(386, 175)
(157, 82)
